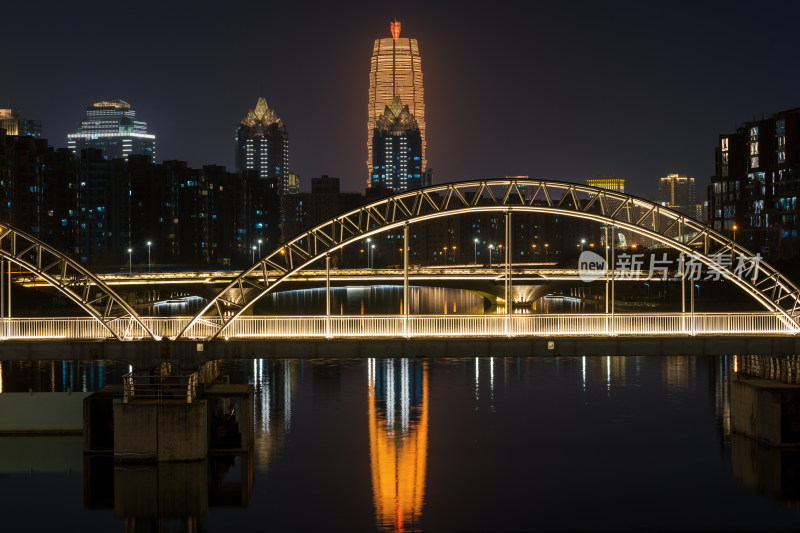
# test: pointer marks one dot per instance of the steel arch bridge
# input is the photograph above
(73, 280)
(771, 289)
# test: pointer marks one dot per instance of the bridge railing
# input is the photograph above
(394, 326)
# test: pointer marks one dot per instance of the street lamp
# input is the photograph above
(534, 251)
(546, 249)
(454, 255)
(149, 264)
(372, 256)
(476, 252)
(445, 254)
(583, 241)
(254, 254)
(648, 289)
(259, 247)
(491, 247)
(130, 261)
(735, 227)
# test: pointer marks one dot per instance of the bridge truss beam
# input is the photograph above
(74, 281)
(694, 239)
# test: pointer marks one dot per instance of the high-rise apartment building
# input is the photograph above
(111, 126)
(755, 185)
(678, 192)
(262, 147)
(15, 124)
(396, 70)
(397, 150)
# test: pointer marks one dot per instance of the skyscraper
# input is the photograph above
(14, 124)
(677, 192)
(397, 150)
(111, 126)
(262, 147)
(395, 70)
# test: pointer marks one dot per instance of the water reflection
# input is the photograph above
(59, 376)
(398, 440)
(151, 497)
(275, 383)
(561, 432)
(372, 300)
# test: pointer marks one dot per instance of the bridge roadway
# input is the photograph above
(529, 282)
(415, 335)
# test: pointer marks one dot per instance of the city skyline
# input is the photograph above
(636, 91)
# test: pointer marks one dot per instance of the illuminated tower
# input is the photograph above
(262, 147)
(397, 150)
(111, 126)
(396, 70)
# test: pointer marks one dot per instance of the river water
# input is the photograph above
(488, 444)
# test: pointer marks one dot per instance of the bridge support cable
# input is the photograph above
(328, 295)
(72, 280)
(612, 209)
(2, 298)
(508, 257)
(608, 271)
(613, 268)
(683, 278)
(406, 303)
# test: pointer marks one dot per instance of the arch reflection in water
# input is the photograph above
(398, 440)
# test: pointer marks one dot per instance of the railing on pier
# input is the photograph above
(160, 384)
(142, 385)
(416, 326)
(783, 369)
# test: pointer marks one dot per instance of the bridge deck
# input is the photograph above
(413, 326)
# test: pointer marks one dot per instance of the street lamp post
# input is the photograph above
(254, 254)
(546, 249)
(735, 227)
(491, 247)
(445, 254)
(259, 248)
(149, 264)
(453, 255)
(476, 251)
(369, 253)
(372, 256)
(583, 241)
(130, 261)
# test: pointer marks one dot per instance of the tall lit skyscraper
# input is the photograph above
(262, 147)
(396, 70)
(111, 126)
(397, 150)
(677, 192)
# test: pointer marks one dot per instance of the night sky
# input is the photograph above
(547, 89)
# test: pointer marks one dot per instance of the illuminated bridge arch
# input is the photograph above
(771, 289)
(74, 281)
